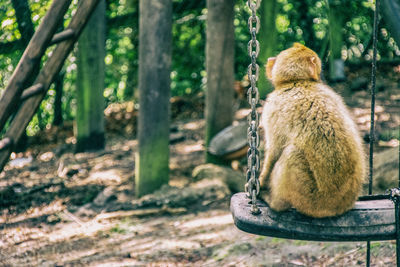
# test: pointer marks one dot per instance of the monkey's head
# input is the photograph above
(297, 63)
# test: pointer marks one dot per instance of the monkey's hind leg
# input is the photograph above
(293, 185)
(271, 156)
(278, 200)
(264, 181)
(276, 197)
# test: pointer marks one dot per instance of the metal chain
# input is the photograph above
(252, 187)
(372, 129)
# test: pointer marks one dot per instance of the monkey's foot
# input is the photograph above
(276, 204)
(279, 205)
(265, 195)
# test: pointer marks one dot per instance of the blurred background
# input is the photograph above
(296, 21)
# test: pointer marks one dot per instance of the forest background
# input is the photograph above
(296, 21)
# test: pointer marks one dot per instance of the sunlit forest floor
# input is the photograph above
(63, 209)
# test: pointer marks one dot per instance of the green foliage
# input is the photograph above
(304, 21)
(8, 22)
(117, 229)
(188, 50)
(122, 48)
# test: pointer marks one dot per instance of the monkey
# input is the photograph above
(314, 159)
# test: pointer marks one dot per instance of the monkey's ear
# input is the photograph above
(313, 68)
(269, 66)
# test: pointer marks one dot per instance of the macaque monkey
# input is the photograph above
(314, 160)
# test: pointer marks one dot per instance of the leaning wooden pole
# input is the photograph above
(155, 41)
(30, 59)
(46, 77)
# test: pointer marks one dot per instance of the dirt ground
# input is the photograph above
(63, 209)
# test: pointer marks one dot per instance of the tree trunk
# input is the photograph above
(89, 130)
(220, 69)
(391, 15)
(268, 42)
(306, 24)
(155, 43)
(24, 19)
(131, 81)
(58, 87)
(336, 64)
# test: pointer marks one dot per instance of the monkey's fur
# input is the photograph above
(314, 160)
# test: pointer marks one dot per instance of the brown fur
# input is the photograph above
(314, 160)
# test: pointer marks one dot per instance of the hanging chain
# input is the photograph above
(252, 187)
(372, 129)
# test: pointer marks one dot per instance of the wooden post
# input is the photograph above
(220, 69)
(155, 27)
(268, 42)
(89, 130)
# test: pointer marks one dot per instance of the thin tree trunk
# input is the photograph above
(58, 87)
(220, 69)
(131, 81)
(155, 43)
(24, 19)
(89, 130)
(306, 24)
(336, 64)
(268, 41)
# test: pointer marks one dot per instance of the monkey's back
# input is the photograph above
(313, 120)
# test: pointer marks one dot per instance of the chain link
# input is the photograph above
(252, 186)
(253, 6)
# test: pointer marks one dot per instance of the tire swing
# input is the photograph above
(373, 218)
